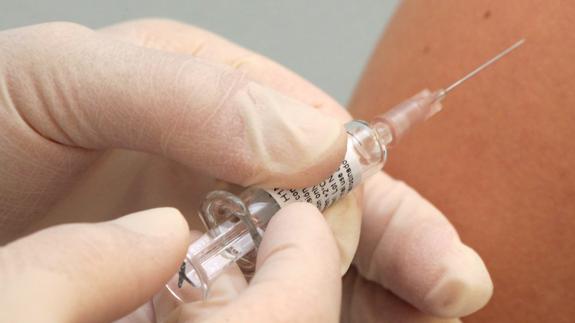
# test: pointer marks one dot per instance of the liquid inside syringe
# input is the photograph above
(235, 224)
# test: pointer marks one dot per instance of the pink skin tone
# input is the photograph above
(70, 95)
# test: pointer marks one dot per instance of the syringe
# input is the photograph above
(235, 224)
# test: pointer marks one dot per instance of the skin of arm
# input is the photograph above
(499, 160)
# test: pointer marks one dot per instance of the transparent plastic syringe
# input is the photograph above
(235, 224)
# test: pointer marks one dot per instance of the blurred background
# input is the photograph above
(328, 42)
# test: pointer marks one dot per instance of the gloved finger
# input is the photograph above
(410, 248)
(344, 220)
(204, 115)
(178, 37)
(367, 302)
(297, 277)
(90, 272)
(93, 92)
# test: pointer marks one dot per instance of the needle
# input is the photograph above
(497, 57)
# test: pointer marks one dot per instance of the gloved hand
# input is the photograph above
(69, 95)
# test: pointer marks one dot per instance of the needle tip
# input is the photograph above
(518, 43)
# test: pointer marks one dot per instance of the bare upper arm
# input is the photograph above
(499, 161)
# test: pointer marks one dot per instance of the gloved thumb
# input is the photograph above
(90, 272)
(94, 92)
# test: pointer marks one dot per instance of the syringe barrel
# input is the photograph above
(235, 223)
(364, 156)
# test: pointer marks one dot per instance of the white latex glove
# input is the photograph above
(69, 93)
